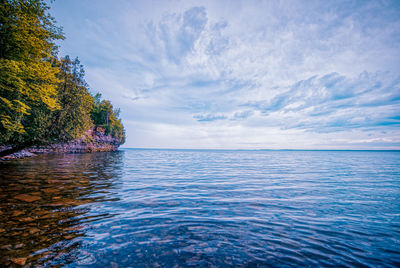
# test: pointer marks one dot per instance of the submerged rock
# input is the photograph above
(27, 198)
(19, 261)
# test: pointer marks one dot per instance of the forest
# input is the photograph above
(44, 98)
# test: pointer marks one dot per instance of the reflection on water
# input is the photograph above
(183, 208)
(45, 204)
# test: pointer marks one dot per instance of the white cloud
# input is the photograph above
(245, 74)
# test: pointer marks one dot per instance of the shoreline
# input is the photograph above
(18, 155)
(27, 154)
(94, 140)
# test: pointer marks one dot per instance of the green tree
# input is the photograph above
(105, 116)
(74, 117)
(42, 99)
(28, 79)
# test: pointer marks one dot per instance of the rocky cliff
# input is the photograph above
(94, 140)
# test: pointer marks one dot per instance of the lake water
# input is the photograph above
(193, 208)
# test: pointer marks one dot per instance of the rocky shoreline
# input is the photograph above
(20, 154)
(94, 140)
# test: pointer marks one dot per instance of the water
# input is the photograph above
(182, 208)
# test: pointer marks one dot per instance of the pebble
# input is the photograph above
(33, 230)
(19, 261)
(50, 190)
(19, 245)
(17, 213)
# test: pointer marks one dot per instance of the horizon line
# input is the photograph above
(221, 149)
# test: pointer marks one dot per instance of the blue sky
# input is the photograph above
(243, 74)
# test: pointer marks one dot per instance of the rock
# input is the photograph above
(50, 190)
(17, 213)
(33, 230)
(69, 237)
(94, 140)
(25, 219)
(27, 198)
(19, 261)
(6, 247)
(76, 228)
(20, 245)
(20, 154)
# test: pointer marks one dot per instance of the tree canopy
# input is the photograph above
(103, 114)
(27, 78)
(43, 99)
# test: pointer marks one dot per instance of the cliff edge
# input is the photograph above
(94, 140)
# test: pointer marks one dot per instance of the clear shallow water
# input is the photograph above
(171, 208)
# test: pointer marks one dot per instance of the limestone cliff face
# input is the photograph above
(94, 140)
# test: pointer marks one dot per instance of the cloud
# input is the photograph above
(334, 102)
(180, 32)
(303, 72)
(209, 117)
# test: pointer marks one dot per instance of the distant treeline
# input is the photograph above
(43, 99)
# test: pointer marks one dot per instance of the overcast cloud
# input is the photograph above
(243, 74)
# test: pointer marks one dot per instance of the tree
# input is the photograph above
(43, 100)
(74, 117)
(105, 116)
(28, 79)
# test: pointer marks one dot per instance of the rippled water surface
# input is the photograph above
(180, 208)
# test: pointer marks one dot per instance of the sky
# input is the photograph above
(242, 74)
